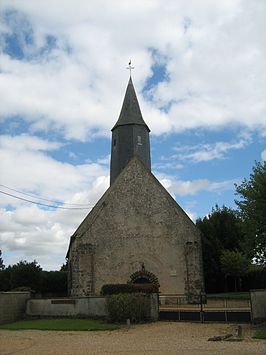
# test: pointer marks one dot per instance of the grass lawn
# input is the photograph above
(60, 324)
(260, 334)
(230, 295)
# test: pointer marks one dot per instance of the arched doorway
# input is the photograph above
(144, 277)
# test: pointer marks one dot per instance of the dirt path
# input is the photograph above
(156, 338)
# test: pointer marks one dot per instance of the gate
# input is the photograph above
(176, 308)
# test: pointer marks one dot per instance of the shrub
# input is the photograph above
(22, 289)
(133, 306)
(146, 288)
(255, 278)
(113, 289)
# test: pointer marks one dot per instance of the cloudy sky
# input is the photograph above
(199, 74)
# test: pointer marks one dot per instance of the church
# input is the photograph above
(136, 232)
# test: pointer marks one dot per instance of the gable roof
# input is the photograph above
(134, 164)
(130, 112)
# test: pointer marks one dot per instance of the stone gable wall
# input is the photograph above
(136, 222)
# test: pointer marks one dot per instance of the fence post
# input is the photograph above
(201, 309)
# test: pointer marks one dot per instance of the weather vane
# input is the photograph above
(130, 67)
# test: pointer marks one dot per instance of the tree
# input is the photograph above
(2, 266)
(5, 279)
(54, 282)
(252, 208)
(64, 267)
(25, 274)
(234, 264)
(220, 230)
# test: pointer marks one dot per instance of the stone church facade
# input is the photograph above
(136, 232)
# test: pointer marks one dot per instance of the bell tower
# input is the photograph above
(130, 135)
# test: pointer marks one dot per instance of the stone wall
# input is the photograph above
(258, 305)
(12, 306)
(67, 307)
(154, 306)
(136, 223)
(80, 307)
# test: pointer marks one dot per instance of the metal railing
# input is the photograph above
(179, 302)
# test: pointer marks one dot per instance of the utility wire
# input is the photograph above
(43, 204)
(44, 199)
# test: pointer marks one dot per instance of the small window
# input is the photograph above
(114, 142)
(139, 140)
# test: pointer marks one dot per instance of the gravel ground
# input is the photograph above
(154, 338)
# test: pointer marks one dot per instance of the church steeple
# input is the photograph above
(130, 135)
(130, 112)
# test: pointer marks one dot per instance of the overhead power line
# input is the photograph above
(44, 199)
(43, 204)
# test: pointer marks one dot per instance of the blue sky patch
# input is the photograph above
(159, 72)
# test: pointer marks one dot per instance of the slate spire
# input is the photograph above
(130, 112)
(130, 135)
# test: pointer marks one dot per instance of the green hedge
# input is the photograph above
(255, 278)
(114, 289)
(123, 306)
(54, 282)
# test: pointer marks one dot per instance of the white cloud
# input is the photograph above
(41, 173)
(27, 142)
(192, 187)
(169, 165)
(192, 215)
(263, 155)
(35, 232)
(105, 160)
(215, 66)
(207, 152)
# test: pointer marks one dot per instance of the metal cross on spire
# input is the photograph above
(130, 67)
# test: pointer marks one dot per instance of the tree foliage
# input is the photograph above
(5, 279)
(29, 275)
(64, 267)
(234, 264)
(255, 278)
(25, 274)
(2, 266)
(221, 230)
(252, 207)
(54, 282)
